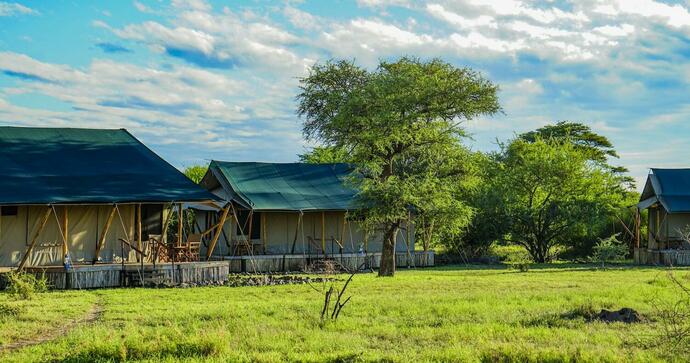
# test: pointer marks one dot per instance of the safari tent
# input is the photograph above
(82, 196)
(666, 196)
(295, 212)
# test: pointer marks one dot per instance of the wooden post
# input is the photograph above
(44, 221)
(179, 224)
(342, 233)
(294, 240)
(637, 227)
(164, 237)
(263, 231)
(323, 233)
(251, 221)
(216, 235)
(104, 234)
(65, 231)
(139, 242)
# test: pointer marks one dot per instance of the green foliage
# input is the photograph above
(595, 147)
(546, 192)
(401, 126)
(195, 172)
(609, 249)
(325, 155)
(23, 286)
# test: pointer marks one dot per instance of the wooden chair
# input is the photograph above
(193, 246)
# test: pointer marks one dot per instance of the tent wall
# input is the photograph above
(85, 224)
(665, 227)
(279, 233)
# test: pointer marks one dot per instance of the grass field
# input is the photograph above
(440, 314)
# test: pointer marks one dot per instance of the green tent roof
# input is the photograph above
(65, 165)
(289, 186)
(670, 187)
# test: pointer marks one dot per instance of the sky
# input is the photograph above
(198, 80)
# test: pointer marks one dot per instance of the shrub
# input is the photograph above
(24, 285)
(518, 259)
(609, 249)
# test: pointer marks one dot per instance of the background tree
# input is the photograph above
(195, 172)
(325, 155)
(550, 191)
(401, 126)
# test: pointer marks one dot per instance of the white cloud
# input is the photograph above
(458, 20)
(10, 9)
(615, 31)
(674, 15)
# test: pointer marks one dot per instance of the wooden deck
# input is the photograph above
(295, 263)
(117, 275)
(669, 257)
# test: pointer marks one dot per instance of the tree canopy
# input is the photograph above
(195, 172)
(549, 192)
(401, 126)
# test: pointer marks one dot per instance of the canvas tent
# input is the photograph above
(289, 208)
(666, 196)
(79, 191)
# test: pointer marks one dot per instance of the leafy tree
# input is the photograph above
(325, 155)
(596, 147)
(195, 172)
(550, 191)
(401, 125)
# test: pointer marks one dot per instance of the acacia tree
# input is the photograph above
(401, 126)
(550, 191)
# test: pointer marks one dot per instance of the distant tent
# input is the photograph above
(77, 191)
(290, 209)
(666, 195)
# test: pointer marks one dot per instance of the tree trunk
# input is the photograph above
(388, 252)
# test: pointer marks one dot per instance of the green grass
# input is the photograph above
(441, 314)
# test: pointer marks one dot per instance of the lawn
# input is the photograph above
(440, 314)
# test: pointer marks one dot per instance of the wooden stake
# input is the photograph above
(179, 224)
(216, 235)
(637, 228)
(104, 234)
(323, 232)
(44, 221)
(164, 236)
(139, 242)
(294, 241)
(65, 231)
(263, 231)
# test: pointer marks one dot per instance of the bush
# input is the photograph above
(23, 285)
(609, 249)
(515, 257)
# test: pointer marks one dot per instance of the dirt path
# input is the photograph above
(90, 317)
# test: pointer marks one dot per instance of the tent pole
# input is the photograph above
(44, 221)
(139, 242)
(216, 235)
(179, 224)
(249, 233)
(323, 233)
(65, 231)
(104, 233)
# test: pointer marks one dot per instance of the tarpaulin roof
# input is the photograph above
(66, 165)
(670, 187)
(288, 186)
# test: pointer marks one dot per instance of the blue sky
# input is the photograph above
(200, 80)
